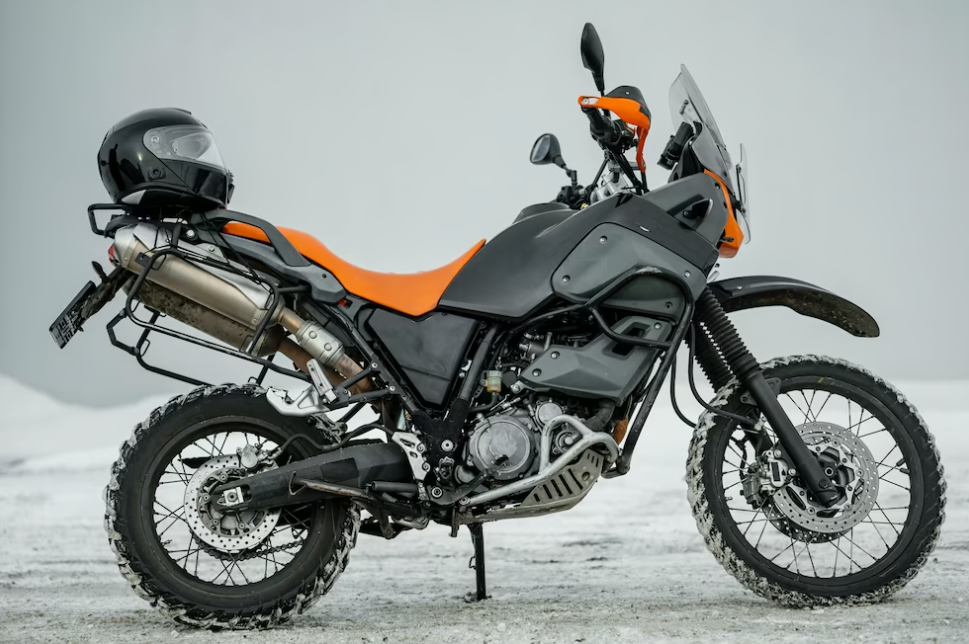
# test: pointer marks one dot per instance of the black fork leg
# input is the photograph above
(745, 367)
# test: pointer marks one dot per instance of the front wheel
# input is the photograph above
(768, 531)
(188, 552)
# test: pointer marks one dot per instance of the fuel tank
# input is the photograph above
(521, 269)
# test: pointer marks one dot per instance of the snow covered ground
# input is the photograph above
(627, 565)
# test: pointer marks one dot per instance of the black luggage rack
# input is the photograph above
(140, 348)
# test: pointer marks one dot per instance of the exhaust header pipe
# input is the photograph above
(225, 305)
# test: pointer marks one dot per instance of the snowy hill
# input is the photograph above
(39, 433)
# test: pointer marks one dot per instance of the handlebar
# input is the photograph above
(604, 130)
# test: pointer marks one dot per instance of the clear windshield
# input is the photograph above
(687, 105)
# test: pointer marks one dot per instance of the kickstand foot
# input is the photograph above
(478, 563)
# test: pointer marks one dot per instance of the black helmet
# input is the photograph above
(164, 157)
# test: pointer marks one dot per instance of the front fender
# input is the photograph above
(752, 292)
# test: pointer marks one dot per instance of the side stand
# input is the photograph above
(478, 563)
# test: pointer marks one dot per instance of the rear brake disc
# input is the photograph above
(219, 526)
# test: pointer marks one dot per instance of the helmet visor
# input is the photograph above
(184, 143)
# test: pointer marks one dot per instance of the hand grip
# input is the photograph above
(603, 128)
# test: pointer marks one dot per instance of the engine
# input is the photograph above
(506, 445)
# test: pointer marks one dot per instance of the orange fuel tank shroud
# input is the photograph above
(413, 294)
(733, 231)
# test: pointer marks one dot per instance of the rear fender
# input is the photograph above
(753, 292)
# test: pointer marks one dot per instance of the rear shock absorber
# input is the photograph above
(742, 363)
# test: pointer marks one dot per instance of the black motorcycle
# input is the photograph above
(507, 384)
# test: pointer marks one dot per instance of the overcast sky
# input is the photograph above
(398, 133)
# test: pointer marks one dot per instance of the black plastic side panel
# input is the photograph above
(511, 276)
(677, 196)
(324, 286)
(650, 295)
(601, 369)
(610, 250)
(807, 299)
(429, 351)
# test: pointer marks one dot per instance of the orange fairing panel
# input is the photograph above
(413, 294)
(733, 230)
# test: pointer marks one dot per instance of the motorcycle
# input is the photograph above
(506, 385)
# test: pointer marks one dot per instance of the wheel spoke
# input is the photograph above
(823, 405)
(224, 441)
(811, 559)
(877, 531)
(229, 527)
(882, 478)
(836, 553)
(797, 568)
(761, 533)
(789, 547)
(877, 431)
(855, 545)
(835, 545)
(862, 420)
(894, 447)
(183, 478)
(782, 513)
(882, 510)
(806, 415)
(896, 467)
(215, 448)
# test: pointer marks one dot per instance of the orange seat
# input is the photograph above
(413, 294)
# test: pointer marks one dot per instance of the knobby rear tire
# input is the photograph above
(299, 589)
(743, 565)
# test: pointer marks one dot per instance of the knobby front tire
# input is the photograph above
(719, 514)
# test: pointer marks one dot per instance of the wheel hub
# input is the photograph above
(847, 461)
(212, 518)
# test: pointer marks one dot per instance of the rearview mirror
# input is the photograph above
(547, 150)
(593, 58)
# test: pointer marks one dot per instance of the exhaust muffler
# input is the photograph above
(227, 306)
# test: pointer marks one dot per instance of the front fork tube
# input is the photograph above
(807, 465)
(730, 349)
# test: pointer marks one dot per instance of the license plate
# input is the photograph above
(69, 322)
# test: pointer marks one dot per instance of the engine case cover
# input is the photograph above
(507, 435)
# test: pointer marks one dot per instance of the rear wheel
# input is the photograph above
(188, 553)
(768, 531)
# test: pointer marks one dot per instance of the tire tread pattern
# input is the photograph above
(925, 539)
(268, 615)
